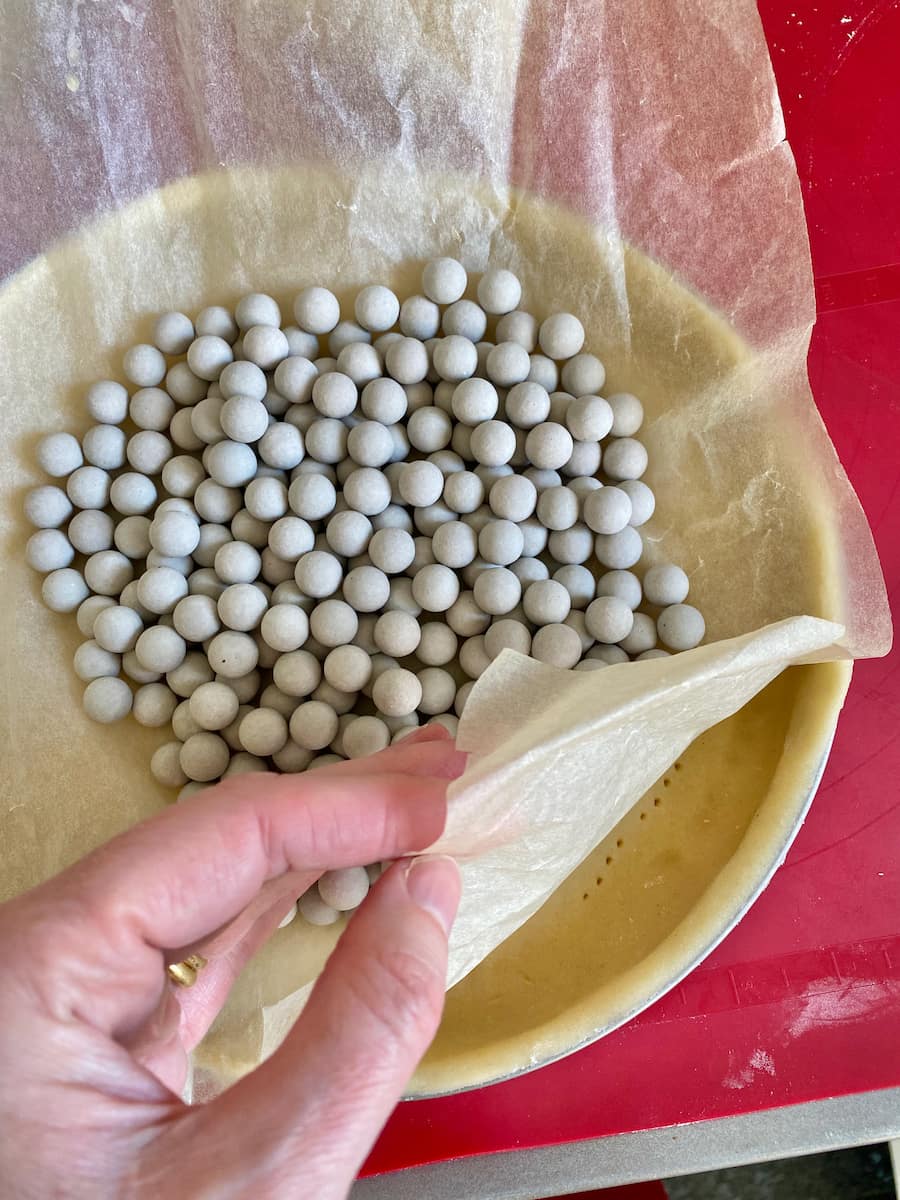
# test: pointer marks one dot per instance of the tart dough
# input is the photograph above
(737, 507)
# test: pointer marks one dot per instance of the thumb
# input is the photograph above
(311, 1113)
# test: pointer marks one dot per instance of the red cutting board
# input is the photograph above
(802, 1001)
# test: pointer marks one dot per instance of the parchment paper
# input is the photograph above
(559, 757)
(627, 160)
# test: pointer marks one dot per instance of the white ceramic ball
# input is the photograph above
(454, 358)
(497, 591)
(665, 584)
(316, 310)
(91, 661)
(508, 364)
(59, 454)
(559, 645)
(609, 619)
(333, 623)
(257, 308)
(437, 644)
(344, 889)
(160, 649)
(104, 445)
(628, 414)
(314, 725)
(153, 705)
(619, 551)
(499, 291)
(583, 375)
(625, 458)
(396, 692)
(47, 506)
(107, 699)
(204, 756)
(232, 654)
(107, 402)
(681, 627)
(561, 336)
(144, 365)
(607, 510)
(207, 355)
(444, 280)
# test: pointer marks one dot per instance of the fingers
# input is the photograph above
(175, 878)
(281, 892)
(201, 1003)
(172, 880)
(231, 947)
(159, 1044)
(371, 1016)
(184, 1015)
(427, 751)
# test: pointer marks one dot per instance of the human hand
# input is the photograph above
(94, 1038)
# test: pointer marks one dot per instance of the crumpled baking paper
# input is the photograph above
(627, 160)
(558, 758)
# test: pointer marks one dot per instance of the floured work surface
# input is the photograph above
(738, 504)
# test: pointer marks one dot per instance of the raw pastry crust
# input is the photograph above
(674, 875)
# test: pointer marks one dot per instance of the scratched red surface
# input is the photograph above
(802, 1001)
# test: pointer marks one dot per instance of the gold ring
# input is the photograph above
(185, 973)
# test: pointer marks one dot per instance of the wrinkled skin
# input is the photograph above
(94, 1039)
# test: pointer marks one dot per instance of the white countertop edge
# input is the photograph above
(855, 1120)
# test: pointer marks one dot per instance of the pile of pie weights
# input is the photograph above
(296, 543)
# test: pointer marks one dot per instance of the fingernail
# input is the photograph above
(428, 733)
(457, 764)
(433, 884)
